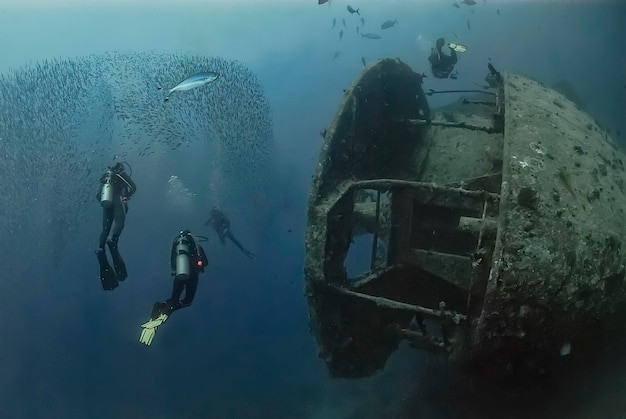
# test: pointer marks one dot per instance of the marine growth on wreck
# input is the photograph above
(492, 227)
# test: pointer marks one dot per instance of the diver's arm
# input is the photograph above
(203, 258)
(131, 187)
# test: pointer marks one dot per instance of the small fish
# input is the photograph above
(343, 22)
(371, 36)
(341, 34)
(363, 61)
(357, 30)
(455, 35)
(191, 82)
(388, 24)
(498, 12)
(323, 1)
(468, 25)
(456, 5)
(334, 23)
(469, 2)
(351, 10)
(336, 55)
(362, 22)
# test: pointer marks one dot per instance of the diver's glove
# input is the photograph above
(150, 328)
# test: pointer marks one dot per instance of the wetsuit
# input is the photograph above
(221, 224)
(441, 64)
(197, 260)
(123, 189)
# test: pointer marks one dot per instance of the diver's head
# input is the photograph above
(117, 168)
(185, 233)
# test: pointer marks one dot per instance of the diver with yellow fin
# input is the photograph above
(116, 188)
(441, 64)
(187, 261)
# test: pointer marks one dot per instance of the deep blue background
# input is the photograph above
(243, 349)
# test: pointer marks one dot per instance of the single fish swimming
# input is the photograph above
(388, 24)
(469, 2)
(343, 21)
(340, 34)
(371, 36)
(362, 22)
(351, 10)
(334, 23)
(191, 82)
(363, 61)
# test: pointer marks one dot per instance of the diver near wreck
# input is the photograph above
(116, 188)
(221, 224)
(187, 261)
(441, 64)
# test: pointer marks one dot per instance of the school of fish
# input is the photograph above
(63, 120)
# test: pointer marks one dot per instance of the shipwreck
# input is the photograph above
(490, 230)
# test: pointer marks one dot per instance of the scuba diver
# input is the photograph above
(221, 224)
(441, 64)
(187, 261)
(116, 188)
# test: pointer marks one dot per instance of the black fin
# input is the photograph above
(108, 279)
(118, 262)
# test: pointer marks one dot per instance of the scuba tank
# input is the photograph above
(106, 196)
(183, 256)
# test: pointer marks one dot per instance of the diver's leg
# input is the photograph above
(120, 217)
(107, 220)
(177, 290)
(190, 291)
(440, 43)
(239, 245)
(172, 304)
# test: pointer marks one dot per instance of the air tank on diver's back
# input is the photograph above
(106, 196)
(183, 267)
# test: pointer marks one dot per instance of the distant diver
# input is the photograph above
(191, 82)
(221, 224)
(116, 188)
(187, 261)
(441, 64)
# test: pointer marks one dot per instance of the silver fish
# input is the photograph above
(388, 24)
(371, 36)
(334, 23)
(191, 82)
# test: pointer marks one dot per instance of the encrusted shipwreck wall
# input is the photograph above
(558, 271)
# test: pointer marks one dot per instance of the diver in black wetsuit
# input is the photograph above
(187, 261)
(221, 224)
(440, 63)
(116, 188)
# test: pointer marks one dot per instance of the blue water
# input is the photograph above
(243, 349)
